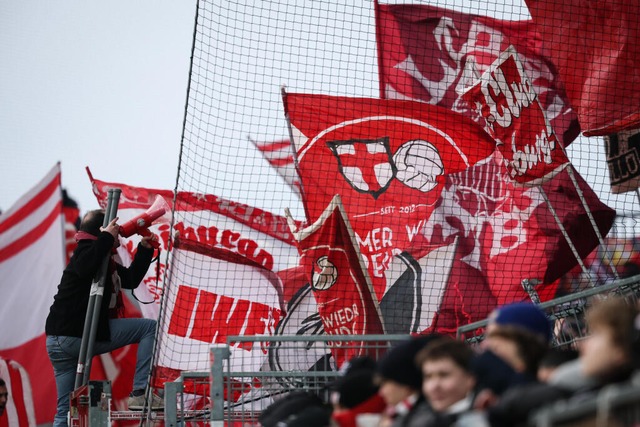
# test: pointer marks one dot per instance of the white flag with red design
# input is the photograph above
(32, 257)
(386, 158)
(213, 294)
(257, 235)
(19, 409)
(279, 154)
(505, 98)
(340, 282)
(430, 54)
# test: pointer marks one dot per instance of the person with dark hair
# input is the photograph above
(291, 407)
(4, 396)
(65, 323)
(448, 381)
(400, 381)
(356, 393)
(552, 360)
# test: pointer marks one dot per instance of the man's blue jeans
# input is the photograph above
(64, 352)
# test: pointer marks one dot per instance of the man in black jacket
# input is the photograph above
(65, 322)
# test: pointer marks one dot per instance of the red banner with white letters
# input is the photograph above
(341, 285)
(387, 159)
(430, 54)
(505, 98)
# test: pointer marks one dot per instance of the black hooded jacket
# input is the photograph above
(68, 311)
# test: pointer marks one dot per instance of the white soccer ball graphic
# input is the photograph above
(418, 163)
(326, 277)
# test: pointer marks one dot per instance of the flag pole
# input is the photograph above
(587, 209)
(95, 300)
(566, 235)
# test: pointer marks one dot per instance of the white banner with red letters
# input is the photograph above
(213, 294)
(257, 235)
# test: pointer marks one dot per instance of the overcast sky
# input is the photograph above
(98, 84)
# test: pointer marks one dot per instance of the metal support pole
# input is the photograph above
(95, 300)
(218, 354)
(566, 236)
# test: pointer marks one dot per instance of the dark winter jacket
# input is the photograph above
(69, 308)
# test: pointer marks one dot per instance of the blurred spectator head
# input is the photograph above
(553, 358)
(356, 384)
(315, 416)
(447, 377)
(613, 336)
(519, 333)
(397, 373)
(294, 403)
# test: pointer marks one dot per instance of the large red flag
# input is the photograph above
(505, 98)
(32, 257)
(507, 231)
(430, 289)
(341, 285)
(428, 53)
(596, 47)
(386, 158)
(257, 235)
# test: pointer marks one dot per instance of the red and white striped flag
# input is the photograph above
(19, 411)
(32, 257)
(279, 154)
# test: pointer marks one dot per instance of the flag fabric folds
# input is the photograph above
(279, 154)
(507, 232)
(430, 54)
(205, 304)
(344, 295)
(19, 410)
(596, 48)
(430, 289)
(387, 159)
(32, 257)
(506, 100)
(257, 235)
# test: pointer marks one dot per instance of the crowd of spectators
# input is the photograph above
(434, 380)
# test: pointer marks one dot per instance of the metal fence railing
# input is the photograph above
(567, 312)
(236, 396)
(616, 405)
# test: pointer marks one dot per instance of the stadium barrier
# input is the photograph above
(237, 395)
(616, 405)
(567, 312)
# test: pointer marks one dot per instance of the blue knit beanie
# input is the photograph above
(525, 316)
